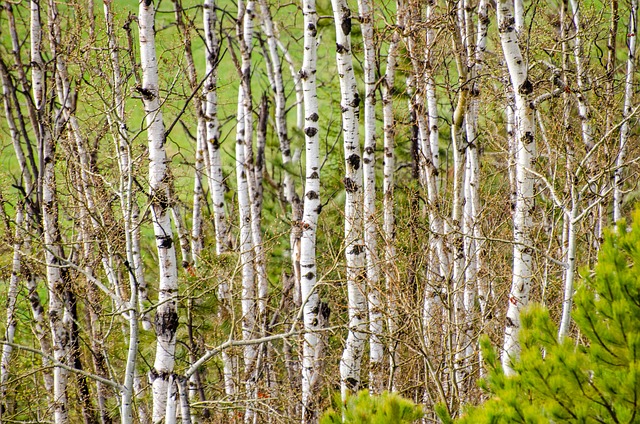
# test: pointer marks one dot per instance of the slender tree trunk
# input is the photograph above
(625, 129)
(311, 372)
(456, 236)
(524, 202)
(376, 320)
(45, 145)
(438, 274)
(166, 321)
(473, 159)
(59, 317)
(350, 364)
(12, 297)
(389, 220)
(250, 233)
(216, 178)
(570, 258)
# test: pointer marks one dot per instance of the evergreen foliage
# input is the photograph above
(594, 379)
(388, 408)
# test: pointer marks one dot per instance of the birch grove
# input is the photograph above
(242, 211)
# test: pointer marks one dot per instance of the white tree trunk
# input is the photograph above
(197, 220)
(583, 105)
(166, 321)
(308, 269)
(483, 288)
(12, 296)
(59, 317)
(389, 219)
(432, 100)
(248, 298)
(280, 106)
(457, 236)
(196, 241)
(625, 129)
(438, 273)
(172, 401)
(252, 257)
(181, 230)
(215, 175)
(524, 202)
(570, 260)
(297, 81)
(376, 319)
(474, 284)
(351, 361)
(128, 202)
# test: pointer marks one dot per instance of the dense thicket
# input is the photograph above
(226, 211)
(592, 378)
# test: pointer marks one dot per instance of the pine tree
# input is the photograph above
(594, 379)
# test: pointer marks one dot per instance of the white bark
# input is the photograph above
(625, 129)
(128, 387)
(37, 71)
(166, 321)
(197, 242)
(12, 295)
(456, 235)
(474, 285)
(376, 320)
(185, 408)
(252, 257)
(38, 84)
(172, 401)
(59, 317)
(570, 260)
(518, 6)
(216, 176)
(432, 101)
(248, 297)
(350, 363)
(583, 105)
(428, 142)
(11, 104)
(308, 269)
(181, 231)
(524, 202)
(473, 160)
(389, 219)
(191, 254)
(280, 100)
(297, 81)
(128, 202)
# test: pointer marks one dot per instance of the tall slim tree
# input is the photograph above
(311, 371)
(166, 321)
(524, 203)
(350, 364)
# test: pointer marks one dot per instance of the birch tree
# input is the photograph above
(215, 176)
(389, 218)
(350, 364)
(12, 297)
(311, 370)
(525, 152)
(632, 29)
(166, 320)
(376, 320)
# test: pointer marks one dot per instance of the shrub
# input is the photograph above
(388, 408)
